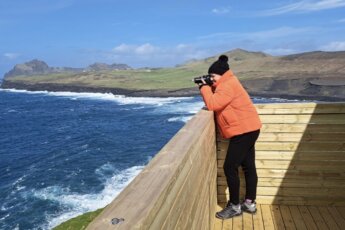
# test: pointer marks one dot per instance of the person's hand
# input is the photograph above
(201, 84)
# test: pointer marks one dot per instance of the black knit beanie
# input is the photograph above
(220, 66)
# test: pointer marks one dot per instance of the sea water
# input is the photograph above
(63, 154)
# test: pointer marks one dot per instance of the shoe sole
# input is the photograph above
(250, 212)
(222, 218)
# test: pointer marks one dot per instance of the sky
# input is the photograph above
(151, 33)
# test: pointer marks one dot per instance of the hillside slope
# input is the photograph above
(313, 75)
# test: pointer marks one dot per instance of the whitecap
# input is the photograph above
(180, 119)
(185, 107)
(75, 204)
(3, 218)
(121, 99)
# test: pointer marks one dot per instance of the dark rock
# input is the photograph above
(29, 68)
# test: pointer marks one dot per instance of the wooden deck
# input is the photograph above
(300, 157)
(287, 217)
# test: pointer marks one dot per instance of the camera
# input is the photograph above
(207, 78)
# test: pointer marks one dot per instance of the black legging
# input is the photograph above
(241, 152)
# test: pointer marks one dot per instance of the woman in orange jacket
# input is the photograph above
(238, 121)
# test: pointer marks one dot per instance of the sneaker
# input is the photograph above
(249, 207)
(229, 211)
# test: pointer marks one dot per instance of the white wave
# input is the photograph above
(120, 99)
(23, 91)
(185, 107)
(77, 204)
(3, 218)
(181, 118)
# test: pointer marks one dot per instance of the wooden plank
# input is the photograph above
(304, 119)
(302, 137)
(292, 173)
(308, 219)
(328, 218)
(298, 192)
(341, 211)
(267, 217)
(200, 219)
(218, 224)
(337, 217)
(319, 107)
(287, 218)
(297, 217)
(213, 192)
(294, 155)
(227, 224)
(306, 136)
(299, 155)
(185, 184)
(197, 215)
(296, 164)
(195, 184)
(307, 146)
(185, 196)
(293, 146)
(247, 221)
(303, 128)
(277, 217)
(293, 182)
(303, 110)
(290, 200)
(320, 223)
(237, 222)
(257, 219)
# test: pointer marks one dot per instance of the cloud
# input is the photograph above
(222, 10)
(11, 56)
(305, 6)
(148, 54)
(144, 49)
(334, 46)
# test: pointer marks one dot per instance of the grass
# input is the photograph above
(79, 222)
(167, 78)
(246, 66)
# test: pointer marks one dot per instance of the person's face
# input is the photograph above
(216, 77)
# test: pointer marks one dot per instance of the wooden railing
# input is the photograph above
(300, 158)
(177, 189)
(300, 155)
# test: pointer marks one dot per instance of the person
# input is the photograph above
(238, 121)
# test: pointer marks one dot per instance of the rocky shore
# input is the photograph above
(313, 92)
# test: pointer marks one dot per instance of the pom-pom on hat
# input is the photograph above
(220, 66)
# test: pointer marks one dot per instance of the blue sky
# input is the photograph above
(150, 33)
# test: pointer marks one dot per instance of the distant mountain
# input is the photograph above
(38, 67)
(103, 66)
(29, 68)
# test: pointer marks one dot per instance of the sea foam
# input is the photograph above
(120, 99)
(76, 204)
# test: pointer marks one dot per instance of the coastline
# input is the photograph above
(186, 92)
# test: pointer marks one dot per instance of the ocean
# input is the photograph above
(63, 154)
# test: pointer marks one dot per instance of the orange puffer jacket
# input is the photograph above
(234, 110)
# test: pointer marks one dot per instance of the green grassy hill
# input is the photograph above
(260, 73)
